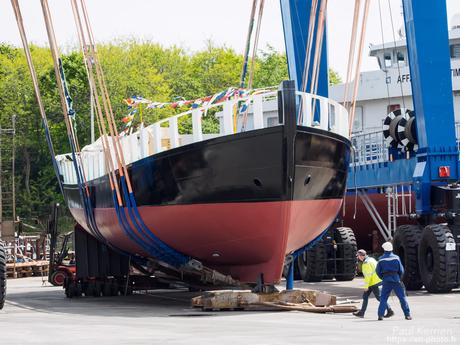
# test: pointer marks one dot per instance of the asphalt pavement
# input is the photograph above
(37, 313)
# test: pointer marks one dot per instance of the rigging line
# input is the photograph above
(383, 46)
(351, 53)
(161, 249)
(90, 62)
(114, 137)
(256, 44)
(248, 43)
(358, 63)
(318, 52)
(66, 101)
(130, 200)
(65, 104)
(253, 59)
(33, 74)
(308, 51)
(87, 62)
(397, 62)
(105, 143)
(309, 45)
(108, 158)
(318, 45)
(299, 21)
(105, 98)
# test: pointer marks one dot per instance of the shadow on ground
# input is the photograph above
(159, 303)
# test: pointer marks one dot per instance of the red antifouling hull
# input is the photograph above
(243, 239)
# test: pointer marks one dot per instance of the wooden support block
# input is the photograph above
(305, 300)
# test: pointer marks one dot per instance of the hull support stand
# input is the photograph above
(300, 300)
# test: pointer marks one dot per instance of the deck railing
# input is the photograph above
(316, 111)
(369, 148)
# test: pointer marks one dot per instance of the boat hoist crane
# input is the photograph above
(429, 247)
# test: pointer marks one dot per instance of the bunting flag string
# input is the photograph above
(135, 102)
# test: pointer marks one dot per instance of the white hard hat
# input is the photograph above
(387, 246)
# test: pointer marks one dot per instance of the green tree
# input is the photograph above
(131, 68)
(334, 77)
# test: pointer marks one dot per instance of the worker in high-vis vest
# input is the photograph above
(372, 282)
(390, 270)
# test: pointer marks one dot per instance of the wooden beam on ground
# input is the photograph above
(301, 300)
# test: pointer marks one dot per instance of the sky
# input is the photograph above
(190, 24)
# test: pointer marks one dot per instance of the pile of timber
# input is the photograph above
(300, 300)
(27, 269)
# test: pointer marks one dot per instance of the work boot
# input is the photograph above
(358, 314)
(408, 317)
(389, 313)
(380, 318)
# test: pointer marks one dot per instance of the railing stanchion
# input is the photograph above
(196, 126)
(173, 132)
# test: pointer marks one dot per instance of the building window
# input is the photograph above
(331, 116)
(393, 107)
(387, 61)
(455, 51)
(358, 120)
(272, 121)
(400, 58)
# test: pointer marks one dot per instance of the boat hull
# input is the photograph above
(238, 203)
(239, 239)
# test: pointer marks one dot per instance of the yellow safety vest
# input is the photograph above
(370, 277)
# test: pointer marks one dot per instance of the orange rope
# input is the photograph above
(358, 64)
(253, 58)
(318, 51)
(106, 100)
(351, 53)
(101, 123)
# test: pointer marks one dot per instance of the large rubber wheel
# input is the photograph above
(107, 288)
(312, 263)
(97, 290)
(58, 277)
(2, 276)
(406, 242)
(438, 265)
(346, 253)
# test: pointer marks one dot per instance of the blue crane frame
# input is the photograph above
(431, 79)
(296, 18)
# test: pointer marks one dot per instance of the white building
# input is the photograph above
(389, 88)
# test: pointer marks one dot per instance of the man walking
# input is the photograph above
(390, 270)
(372, 282)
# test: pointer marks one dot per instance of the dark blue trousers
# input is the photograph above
(400, 292)
(375, 289)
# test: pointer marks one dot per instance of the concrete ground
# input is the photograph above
(37, 313)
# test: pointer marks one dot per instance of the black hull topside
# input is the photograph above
(280, 163)
(252, 166)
